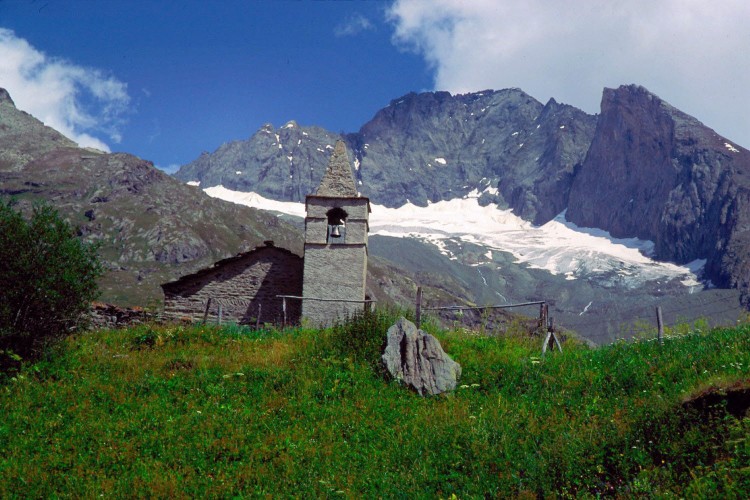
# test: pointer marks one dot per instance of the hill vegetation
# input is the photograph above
(171, 411)
(48, 278)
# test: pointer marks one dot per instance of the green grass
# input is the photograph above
(198, 411)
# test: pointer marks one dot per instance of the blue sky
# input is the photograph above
(166, 80)
(201, 73)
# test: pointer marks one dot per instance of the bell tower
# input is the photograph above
(336, 228)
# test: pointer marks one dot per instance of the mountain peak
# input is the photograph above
(5, 97)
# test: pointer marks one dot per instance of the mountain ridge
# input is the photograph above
(640, 168)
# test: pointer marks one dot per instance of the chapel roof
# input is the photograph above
(338, 181)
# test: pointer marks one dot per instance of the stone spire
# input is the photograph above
(338, 181)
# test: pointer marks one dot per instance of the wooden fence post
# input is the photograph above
(257, 320)
(659, 325)
(205, 313)
(418, 314)
(544, 317)
(551, 340)
(220, 311)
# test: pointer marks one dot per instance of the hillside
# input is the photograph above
(175, 411)
(152, 228)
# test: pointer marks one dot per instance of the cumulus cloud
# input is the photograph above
(691, 53)
(81, 103)
(353, 25)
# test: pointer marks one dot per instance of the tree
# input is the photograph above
(48, 277)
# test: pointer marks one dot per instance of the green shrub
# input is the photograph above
(362, 336)
(48, 278)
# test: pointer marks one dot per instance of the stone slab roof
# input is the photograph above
(183, 280)
(338, 181)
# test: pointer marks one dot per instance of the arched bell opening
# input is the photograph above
(336, 226)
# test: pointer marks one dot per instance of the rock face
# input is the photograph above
(417, 359)
(422, 148)
(654, 172)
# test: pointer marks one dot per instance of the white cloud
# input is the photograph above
(81, 103)
(353, 25)
(692, 53)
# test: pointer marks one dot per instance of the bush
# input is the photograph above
(362, 336)
(48, 278)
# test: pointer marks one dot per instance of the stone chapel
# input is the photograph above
(336, 228)
(328, 282)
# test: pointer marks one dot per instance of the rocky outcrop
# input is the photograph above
(416, 359)
(654, 172)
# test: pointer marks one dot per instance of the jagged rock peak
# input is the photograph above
(5, 97)
(338, 180)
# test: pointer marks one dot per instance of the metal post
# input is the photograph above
(283, 308)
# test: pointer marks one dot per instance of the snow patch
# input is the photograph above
(440, 161)
(559, 246)
(256, 201)
(731, 148)
(585, 308)
(193, 183)
(238, 172)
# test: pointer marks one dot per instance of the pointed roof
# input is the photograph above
(338, 181)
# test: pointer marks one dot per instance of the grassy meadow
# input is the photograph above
(201, 411)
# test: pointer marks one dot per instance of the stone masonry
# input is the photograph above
(242, 285)
(335, 268)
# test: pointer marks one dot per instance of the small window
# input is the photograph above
(336, 226)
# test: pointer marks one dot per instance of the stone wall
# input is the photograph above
(333, 272)
(111, 316)
(243, 286)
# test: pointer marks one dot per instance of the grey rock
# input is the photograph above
(417, 359)
(656, 173)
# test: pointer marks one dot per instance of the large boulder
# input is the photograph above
(417, 359)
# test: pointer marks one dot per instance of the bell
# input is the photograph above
(335, 233)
